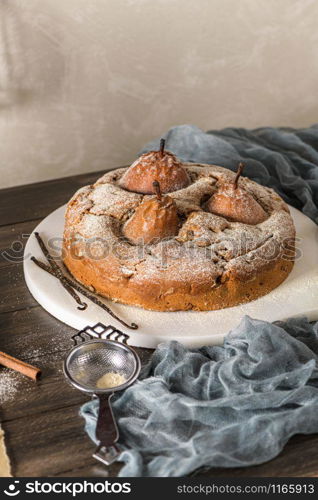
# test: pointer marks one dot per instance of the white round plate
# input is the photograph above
(297, 296)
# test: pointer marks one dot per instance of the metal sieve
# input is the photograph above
(98, 351)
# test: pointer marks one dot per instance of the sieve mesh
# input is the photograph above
(91, 360)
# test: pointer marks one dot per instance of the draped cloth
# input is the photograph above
(238, 404)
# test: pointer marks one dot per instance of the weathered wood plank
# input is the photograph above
(92, 469)
(14, 292)
(25, 398)
(13, 239)
(44, 434)
(298, 459)
(287, 464)
(34, 333)
(46, 446)
(37, 338)
(35, 201)
(48, 443)
(42, 417)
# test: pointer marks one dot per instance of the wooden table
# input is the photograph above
(44, 434)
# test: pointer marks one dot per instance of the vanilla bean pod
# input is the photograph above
(59, 274)
(83, 291)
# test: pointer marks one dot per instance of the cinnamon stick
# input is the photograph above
(19, 366)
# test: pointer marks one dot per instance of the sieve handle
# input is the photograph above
(106, 432)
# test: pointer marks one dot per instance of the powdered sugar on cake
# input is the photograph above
(207, 246)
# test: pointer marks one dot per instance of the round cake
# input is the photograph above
(168, 236)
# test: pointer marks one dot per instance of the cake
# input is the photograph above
(165, 235)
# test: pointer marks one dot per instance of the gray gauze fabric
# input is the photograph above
(284, 159)
(235, 405)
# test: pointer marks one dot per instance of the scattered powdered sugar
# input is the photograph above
(109, 380)
(111, 200)
(9, 384)
(185, 258)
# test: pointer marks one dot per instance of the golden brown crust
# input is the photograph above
(170, 296)
(211, 264)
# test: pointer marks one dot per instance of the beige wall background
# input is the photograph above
(85, 83)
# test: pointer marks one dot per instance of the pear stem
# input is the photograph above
(238, 174)
(162, 147)
(157, 189)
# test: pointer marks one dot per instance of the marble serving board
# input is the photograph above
(297, 296)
